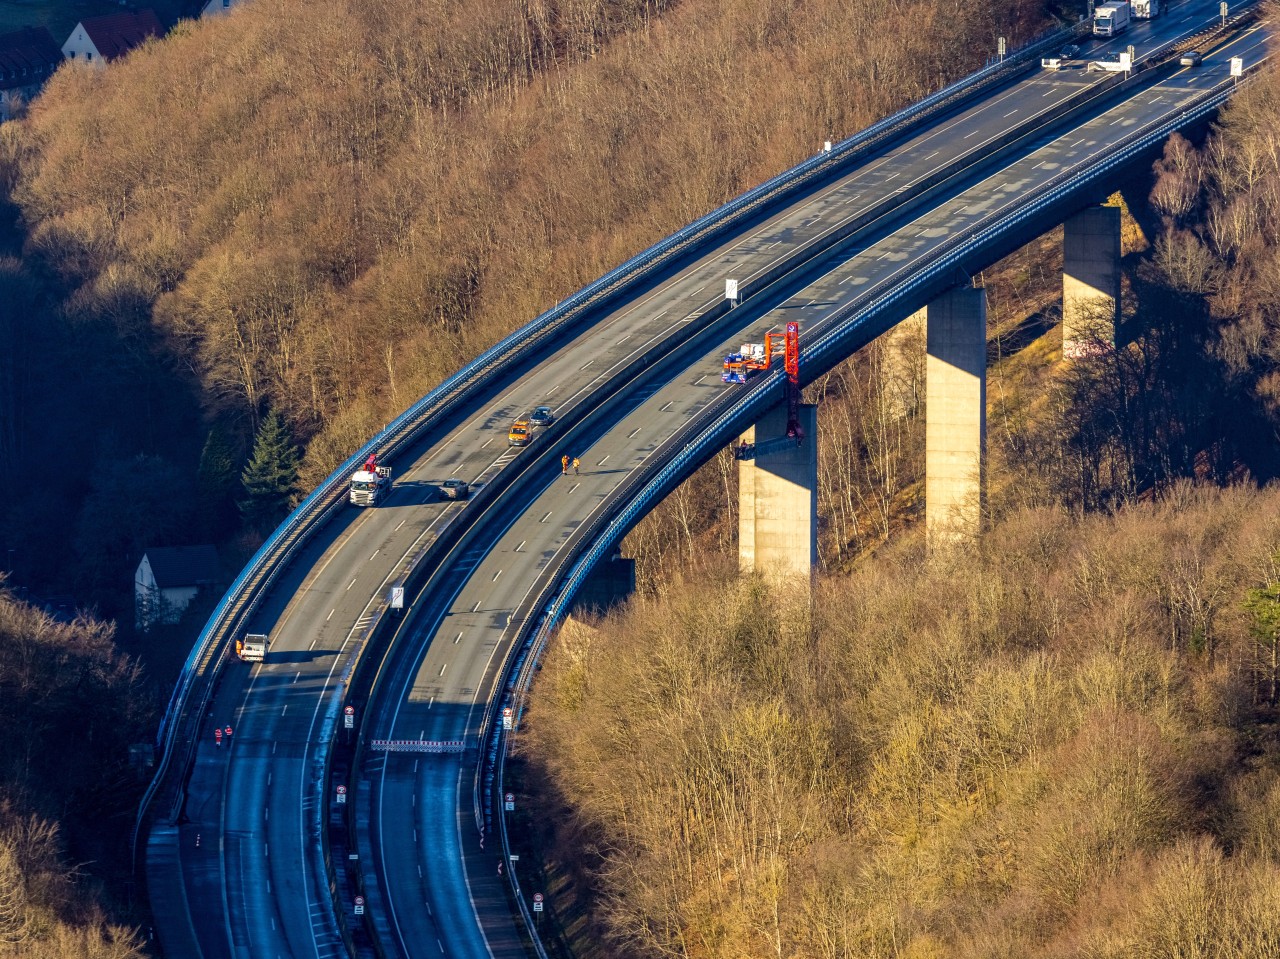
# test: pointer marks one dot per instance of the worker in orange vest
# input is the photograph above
(564, 464)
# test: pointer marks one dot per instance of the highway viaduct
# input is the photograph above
(891, 226)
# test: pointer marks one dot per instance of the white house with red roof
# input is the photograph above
(99, 39)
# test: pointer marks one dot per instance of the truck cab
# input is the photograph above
(370, 487)
(1110, 19)
(252, 648)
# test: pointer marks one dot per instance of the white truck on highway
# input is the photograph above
(252, 649)
(1110, 19)
(370, 484)
(1147, 9)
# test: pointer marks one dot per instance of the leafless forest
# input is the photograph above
(324, 208)
(1061, 746)
(1048, 747)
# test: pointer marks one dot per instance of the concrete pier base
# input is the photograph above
(778, 499)
(956, 419)
(1090, 281)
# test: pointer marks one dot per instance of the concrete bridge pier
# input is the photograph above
(956, 416)
(778, 497)
(1090, 281)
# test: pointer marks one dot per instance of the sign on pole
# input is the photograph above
(508, 717)
(349, 717)
(342, 794)
(826, 146)
(359, 905)
(397, 597)
(537, 902)
(1126, 62)
(1237, 66)
(1000, 47)
(509, 802)
(1222, 10)
(731, 290)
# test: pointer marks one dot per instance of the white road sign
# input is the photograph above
(342, 794)
(508, 717)
(730, 289)
(359, 905)
(397, 597)
(1237, 66)
(537, 902)
(509, 802)
(349, 717)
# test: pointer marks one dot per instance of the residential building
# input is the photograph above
(99, 39)
(216, 7)
(28, 58)
(168, 579)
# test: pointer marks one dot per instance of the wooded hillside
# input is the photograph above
(1049, 747)
(323, 208)
(70, 709)
(319, 210)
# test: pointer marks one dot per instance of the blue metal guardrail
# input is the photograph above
(705, 434)
(701, 439)
(241, 599)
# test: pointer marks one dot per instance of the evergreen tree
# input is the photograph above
(217, 479)
(270, 479)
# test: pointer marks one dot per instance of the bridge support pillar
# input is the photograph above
(1090, 280)
(956, 417)
(778, 499)
(613, 581)
(901, 349)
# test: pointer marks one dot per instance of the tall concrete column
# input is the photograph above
(956, 419)
(778, 499)
(901, 384)
(1090, 281)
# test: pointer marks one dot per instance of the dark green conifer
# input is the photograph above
(270, 479)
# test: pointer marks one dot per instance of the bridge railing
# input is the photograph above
(200, 671)
(708, 432)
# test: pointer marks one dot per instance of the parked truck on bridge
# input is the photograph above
(252, 649)
(370, 484)
(1110, 19)
(1147, 9)
(751, 358)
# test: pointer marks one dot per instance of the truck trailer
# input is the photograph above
(1110, 19)
(1147, 9)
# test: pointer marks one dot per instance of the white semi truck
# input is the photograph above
(370, 484)
(1147, 9)
(1110, 19)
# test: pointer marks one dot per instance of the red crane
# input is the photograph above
(791, 363)
(795, 432)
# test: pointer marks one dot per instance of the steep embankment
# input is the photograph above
(1050, 747)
